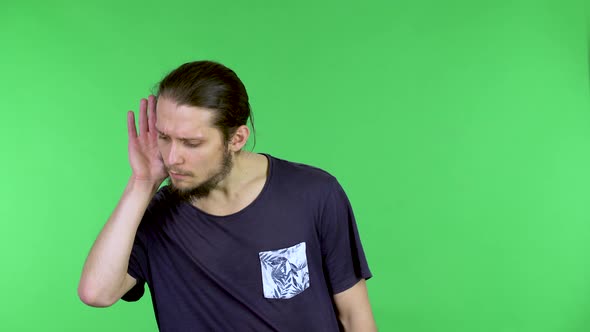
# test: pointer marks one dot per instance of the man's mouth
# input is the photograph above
(175, 174)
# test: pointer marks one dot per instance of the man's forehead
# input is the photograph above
(193, 136)
(182, 121)
(184, 133)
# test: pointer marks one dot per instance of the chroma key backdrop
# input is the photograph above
(460, 131)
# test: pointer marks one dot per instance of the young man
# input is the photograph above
(236, 241)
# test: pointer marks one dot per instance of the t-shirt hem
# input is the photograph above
(348, 283)
(135, 275)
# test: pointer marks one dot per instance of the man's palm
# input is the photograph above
(144, 156)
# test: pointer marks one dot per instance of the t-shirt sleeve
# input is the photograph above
(344, 259)
(138, 260)
(137, 268)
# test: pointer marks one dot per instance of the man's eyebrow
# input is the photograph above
(181, 138)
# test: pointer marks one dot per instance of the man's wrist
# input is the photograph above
(148, 186)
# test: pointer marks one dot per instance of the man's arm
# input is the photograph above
(104, 277)
(354, 309)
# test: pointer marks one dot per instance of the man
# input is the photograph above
(236, 241)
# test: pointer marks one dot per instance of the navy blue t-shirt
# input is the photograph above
(273, 266)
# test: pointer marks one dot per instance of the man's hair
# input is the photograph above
(213, 86)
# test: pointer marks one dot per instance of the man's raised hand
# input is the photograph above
(144, 156)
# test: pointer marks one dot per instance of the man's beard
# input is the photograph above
(202, 190)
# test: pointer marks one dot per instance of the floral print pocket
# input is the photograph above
(284, 272)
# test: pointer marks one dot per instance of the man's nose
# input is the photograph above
(175, 157)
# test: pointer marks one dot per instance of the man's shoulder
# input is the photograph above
(301, 174)
(160, 200)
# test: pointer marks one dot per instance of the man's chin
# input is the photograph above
(179, 186)
(178, 183)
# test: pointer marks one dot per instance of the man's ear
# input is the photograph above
(240, 138)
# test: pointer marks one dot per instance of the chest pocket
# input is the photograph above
(284, 272)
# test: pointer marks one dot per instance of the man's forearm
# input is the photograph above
(359, 323)
(354, 309)
(106, 265)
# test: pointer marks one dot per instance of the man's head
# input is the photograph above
(202, 111)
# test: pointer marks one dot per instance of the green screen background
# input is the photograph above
(460, 131)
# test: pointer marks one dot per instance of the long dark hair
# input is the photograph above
(210, 85)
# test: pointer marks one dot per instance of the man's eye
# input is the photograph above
(192, 145)
(162, 137)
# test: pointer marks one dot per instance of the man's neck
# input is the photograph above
(239, 188)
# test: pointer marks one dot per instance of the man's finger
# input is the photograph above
(143, 123)
(152, 114)
(131, 130)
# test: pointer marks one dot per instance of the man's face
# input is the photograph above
(193, 151)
